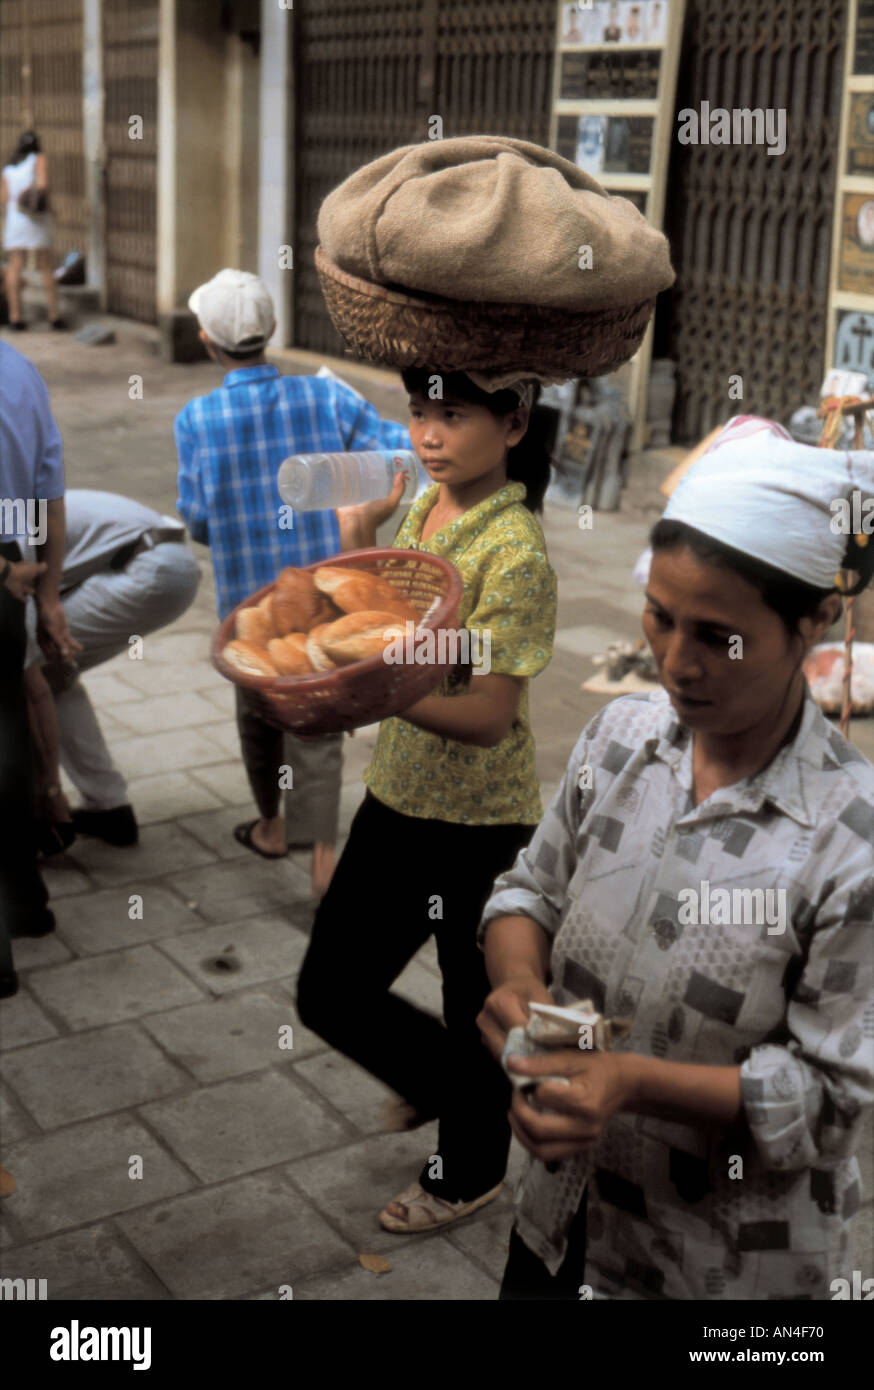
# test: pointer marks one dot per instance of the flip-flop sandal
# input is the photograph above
(243, 836)
(426, 1212)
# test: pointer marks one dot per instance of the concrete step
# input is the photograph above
(74, 301)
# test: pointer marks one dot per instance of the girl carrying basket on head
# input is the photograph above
(452, 791)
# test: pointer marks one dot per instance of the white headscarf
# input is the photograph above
(760, 492)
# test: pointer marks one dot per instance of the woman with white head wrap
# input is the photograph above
(706, 870)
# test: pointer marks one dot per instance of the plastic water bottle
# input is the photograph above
(319, 482)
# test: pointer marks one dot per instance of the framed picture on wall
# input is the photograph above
(863, 59)
(856, 259)
(860, 134)
(607, 144)
(854, 342)
(610, 73)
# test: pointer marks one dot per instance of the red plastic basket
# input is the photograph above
(365, 691)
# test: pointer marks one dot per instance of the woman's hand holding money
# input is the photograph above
(507, 1007)
(571, 1116)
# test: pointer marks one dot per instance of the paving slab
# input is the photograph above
(244, 887)
(170, 751)
(244, 1124)
(215, 829)
(351, 1090)
(420, 987)
(162, 849)
(232, 1035)
(168, 795)
(220, 694)
(161, 713)
(101, 921)
(22, 1021)
(93, 1263)
(160, 678)
(252, 952)
(107, 688)
(226, 1241)
(75, 1078)
(62, 876)
(14, 1123)
(227, 781)
(353, 1184)
(433, 1269)
(80, 1174)
(179, 647)
(34, 952)
(112, 987)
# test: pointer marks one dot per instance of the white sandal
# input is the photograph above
(425, 1211)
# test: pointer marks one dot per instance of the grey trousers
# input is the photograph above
(312, 802)
(103, 612)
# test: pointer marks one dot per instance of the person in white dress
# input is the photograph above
(26, 231)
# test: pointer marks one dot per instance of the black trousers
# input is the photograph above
(526, 1277)
(395, 875)
(23, 896)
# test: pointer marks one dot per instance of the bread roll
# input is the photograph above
(356, 591)
(296, 600)
(254, 625)
(328, 612)
(359, 636)
(319, 660)
(249, 658)
(289, 654)
(266, 607)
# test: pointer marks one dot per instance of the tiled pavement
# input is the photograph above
(154, 1034)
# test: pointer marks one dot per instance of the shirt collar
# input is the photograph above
(782, 782)
(461, 533)
(240, 376)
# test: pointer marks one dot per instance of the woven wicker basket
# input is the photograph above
(366, 691)
(399, 330)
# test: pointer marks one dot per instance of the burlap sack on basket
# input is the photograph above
(470, 254)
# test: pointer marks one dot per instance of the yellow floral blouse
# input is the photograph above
(510, 589)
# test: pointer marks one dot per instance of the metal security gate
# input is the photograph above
(41, 89)
(367, 78)
(750, 232)
(130, 59)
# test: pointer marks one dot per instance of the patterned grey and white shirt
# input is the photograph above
(604, 875)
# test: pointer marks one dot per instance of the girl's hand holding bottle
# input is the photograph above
(358, 525)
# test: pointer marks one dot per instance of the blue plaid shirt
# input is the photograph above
(230, 445)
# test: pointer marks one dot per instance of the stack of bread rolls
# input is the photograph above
(315, 621)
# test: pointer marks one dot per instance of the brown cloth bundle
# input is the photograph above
(443, 245)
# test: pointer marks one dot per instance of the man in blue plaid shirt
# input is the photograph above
(230, 445)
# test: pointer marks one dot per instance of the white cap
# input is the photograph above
(234, 308)
(759, 491)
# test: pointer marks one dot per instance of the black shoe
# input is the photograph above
(58, 324)
(8, 985)
(54, 837)
(44, 924)
(18, 324)
(117, 826)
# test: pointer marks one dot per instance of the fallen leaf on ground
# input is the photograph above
(377, 1264)
(7, 1185)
